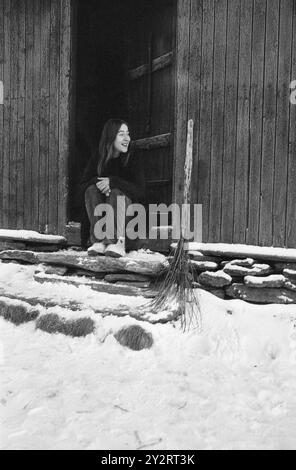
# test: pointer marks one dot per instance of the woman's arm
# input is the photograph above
(133, 183)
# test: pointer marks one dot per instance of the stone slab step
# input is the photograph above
(97, 285)
(70, 258)
(230, 250)
(31, 236)
(268, 295)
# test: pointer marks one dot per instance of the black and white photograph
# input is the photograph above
(147, 227)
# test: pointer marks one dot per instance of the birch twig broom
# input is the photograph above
(176, 288)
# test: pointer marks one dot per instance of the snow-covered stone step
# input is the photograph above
(100, 286)
(266, 295)
(149, 265)
(31, 236)
(229, 250)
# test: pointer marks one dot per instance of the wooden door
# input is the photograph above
(150, 91)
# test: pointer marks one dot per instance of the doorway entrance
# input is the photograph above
(125, 69)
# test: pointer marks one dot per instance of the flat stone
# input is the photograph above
(215, 279)
(126, 277)
(290, 285)
(204, 265)
(97, 285)
(12, 245)
(246, 263)
(139, 284)
(235, 250)
(291, 273)
(267, 295)
(198, 256)
(20, 255)
(81, 260)
(44, 248)
(31, 236)
(255, 270)
(273, 280)
(60, 270)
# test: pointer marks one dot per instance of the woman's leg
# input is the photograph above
(119, 209)
(93, 197)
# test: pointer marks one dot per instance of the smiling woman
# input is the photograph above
(113, 171)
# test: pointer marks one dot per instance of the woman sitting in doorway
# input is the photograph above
(113, 171)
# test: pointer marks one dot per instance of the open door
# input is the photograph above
(124, 68)
(150, 92)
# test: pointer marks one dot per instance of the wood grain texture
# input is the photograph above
(64, 112)
(1, 108)
(291, 189)
(217, 142)
(205, 124)
(269, 122)
(243, 110)
(181, 99)
(282, 124)
(256, 119)
(29, 131)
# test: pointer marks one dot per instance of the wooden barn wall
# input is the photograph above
(35, 51)
(235, 62)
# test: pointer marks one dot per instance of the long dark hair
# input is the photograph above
(105, 150)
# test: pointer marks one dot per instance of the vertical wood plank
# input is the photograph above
(230, 111)
(1, 109)
(14, 90)
(54, 53)
(282, 124)
(21, 68)
(6, 116)
(217, 120)
(64, 112)
(44, 115)
(291, 190)
(243, 109)
(257, 83)
(205, 129)
(28, 190)
(182, 66)
(194, 88)
(269, 113)
(36, 114)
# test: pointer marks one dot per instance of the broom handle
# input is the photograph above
(187, 180)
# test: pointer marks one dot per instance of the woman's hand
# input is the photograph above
(103, 185)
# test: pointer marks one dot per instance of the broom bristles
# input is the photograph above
(176, 288)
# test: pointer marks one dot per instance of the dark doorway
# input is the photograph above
(100, 81)
(125, 68)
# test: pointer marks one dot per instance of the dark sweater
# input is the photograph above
(130, 179)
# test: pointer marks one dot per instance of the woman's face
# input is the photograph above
(122, 140)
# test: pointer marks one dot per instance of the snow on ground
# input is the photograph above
(230, 386)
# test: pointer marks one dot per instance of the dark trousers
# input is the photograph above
(94, 197)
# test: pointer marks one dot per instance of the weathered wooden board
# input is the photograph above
(291, 186)
(269, 122)
(230, 110)
(242, 146)
(217, 139)
(205, 124)
(2, 58)
(256, 101)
